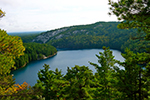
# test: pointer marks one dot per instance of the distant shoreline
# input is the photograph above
(49, 56)
(28, 32)
(64, 49)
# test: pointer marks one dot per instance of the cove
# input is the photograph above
(63, 59)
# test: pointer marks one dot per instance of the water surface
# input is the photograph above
(63, 59)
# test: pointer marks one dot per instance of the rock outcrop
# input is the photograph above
(44, 37)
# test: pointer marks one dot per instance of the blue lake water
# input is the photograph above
(63, 59)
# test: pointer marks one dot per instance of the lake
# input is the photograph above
(63, 59)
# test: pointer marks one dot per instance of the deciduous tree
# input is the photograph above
(10, 48)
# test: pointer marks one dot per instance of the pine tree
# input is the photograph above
(104, 76)
(135, 14)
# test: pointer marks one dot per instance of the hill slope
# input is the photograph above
(86, 36)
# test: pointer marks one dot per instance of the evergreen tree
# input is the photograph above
(135, 14)
(81, 83)
(50, 84)
(104, 76)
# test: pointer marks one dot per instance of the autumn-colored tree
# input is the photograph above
(16, 91)
(2, 13)
(10, 48)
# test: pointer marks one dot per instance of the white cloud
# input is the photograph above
(36, 15)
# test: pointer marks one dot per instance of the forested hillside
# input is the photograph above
(34, 51)
(26, 36)
(94, 35)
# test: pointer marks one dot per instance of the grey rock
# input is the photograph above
(100, 25)
(47, 35)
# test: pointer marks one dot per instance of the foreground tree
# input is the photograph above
(131, 81)
(105, 75)
(135, 14)
(50, 84)
(74, 85)
(10, 48)
(81, 83)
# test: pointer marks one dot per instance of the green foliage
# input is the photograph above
(94, 35)
(10, 48)
(136, 45)
(105, 75)
(130, 80)
(108, 83)
(26, 36)
(34, 51)
(135, 13)
(79, 81)
(74, 85)
(50, 83)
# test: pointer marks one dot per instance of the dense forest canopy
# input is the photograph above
(35, 51)
(94, 35)
(26, 36)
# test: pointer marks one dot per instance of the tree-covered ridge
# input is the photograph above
(94, 35)
(35, 51)
(25, 36)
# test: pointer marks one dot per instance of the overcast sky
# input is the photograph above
(43, 15)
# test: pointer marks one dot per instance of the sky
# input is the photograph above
(43, 15)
